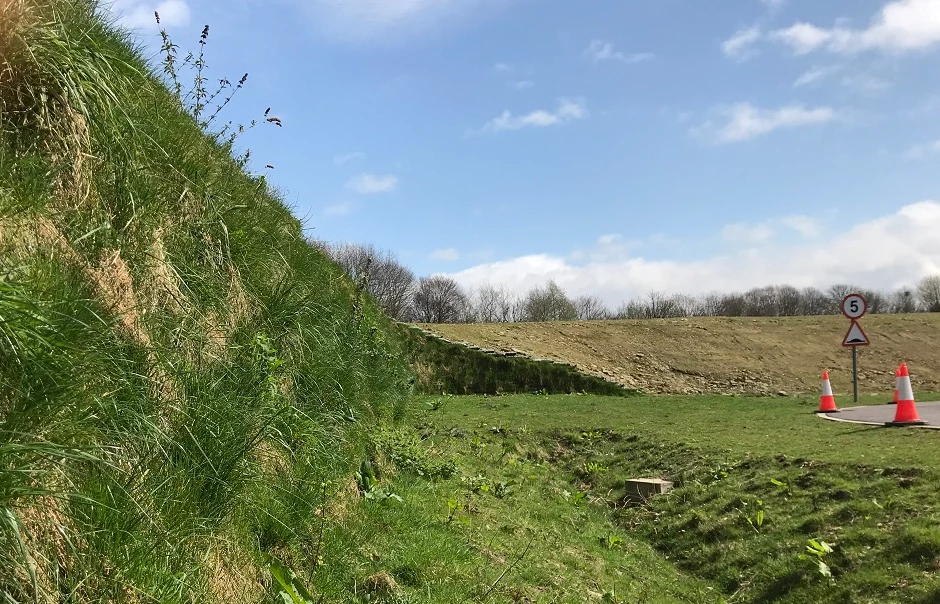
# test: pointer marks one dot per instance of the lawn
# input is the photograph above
(732, 425)
(771, 503)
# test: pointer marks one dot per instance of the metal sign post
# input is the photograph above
(854, 307)
(855, 373)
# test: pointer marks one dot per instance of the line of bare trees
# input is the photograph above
(440, 299)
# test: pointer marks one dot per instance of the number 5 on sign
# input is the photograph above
(854, 306)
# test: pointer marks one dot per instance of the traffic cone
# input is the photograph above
(906, 414)
(827, 402)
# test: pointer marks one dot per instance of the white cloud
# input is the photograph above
(815, 74)
(503, 67)
(447, 255)
(885, 253)
(135, 14)
(339, 160)
(607, 247)
(747, 233)
(599, 50)
(804, 225)
(743, 121)
(743, 233)
(741, 45)
(368, 184)
(339, 209)
(568, 110)
(900, 26)
(774, 5)
(924, 150)
(523, 84)
(381, 20)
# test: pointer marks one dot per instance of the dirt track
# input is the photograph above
(766, 356)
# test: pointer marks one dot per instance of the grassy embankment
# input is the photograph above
(441, 366)
(179, 370)
(724, 355)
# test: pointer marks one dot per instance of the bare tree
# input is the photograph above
(661, 306)
(440, 300)
(631, 310)
(789, 301)
(733, 305)
(388, 281)
(903, 301)
(928, 292)
(838, 292)
(815, 302)
(494, 304)
(709, 305)
(548, 304)
(591, 308)
(762, 302)
(877, 302)
(686, 306)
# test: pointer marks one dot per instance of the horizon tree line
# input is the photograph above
(440, 299)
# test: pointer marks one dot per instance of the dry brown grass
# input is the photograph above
(717, 355)
(31, 100)
(423, 374)
(17, 18)
(381, 584)
(115, 287)
(344, 502)
(70, 150)
(25, 236)
(161, 288)
(44, 528)
(232, 577)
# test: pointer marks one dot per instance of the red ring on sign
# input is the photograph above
(846, 299)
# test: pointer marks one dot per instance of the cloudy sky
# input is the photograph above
(617, 146)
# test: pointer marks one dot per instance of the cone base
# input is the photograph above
(913, 422)
(828, 411)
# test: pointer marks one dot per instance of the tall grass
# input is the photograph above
(179, 370)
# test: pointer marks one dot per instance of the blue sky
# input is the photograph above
(616, 146)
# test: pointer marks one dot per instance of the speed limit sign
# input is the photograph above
(854, 306)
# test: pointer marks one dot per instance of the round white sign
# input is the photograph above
(854, 306)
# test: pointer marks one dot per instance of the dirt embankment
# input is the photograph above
(767, 356)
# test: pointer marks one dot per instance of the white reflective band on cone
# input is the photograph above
(905, 392)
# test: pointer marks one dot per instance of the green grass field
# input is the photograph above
(757, 483)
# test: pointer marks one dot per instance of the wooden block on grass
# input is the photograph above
(644, 488)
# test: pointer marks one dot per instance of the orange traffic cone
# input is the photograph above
(827, 402)
(906, 414)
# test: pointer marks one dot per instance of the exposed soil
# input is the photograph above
(718, 355)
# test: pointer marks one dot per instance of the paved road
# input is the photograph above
(880, 414)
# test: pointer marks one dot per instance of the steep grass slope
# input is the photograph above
(444, 367)
(725, 355)
(180, 373)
